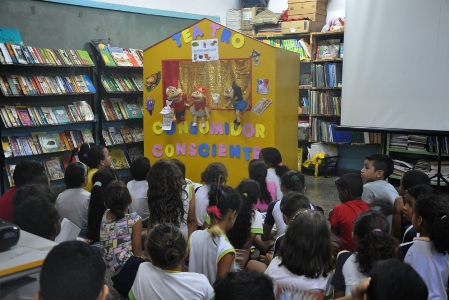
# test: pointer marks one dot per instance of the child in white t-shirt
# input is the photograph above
(211, 253)
(138, 188)
(162, 277)
(73, 203)
(305, 258)
(215, 173)
(429, 253)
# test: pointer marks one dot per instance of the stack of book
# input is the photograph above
(398, 141)
(324, 103)
(117, 109)
(122, 135)
(117, 56)
(402, 166)
(299, 46)
(14, 85)
(121, 83)
(27, 55)
(23, 116)
(416, 143)
(327, 75)
(42, 142)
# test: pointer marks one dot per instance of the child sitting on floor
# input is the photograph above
(377, 168)
(258, 171)
(305, 258)
(211, 253)
(429, 254)
(244, 285)
(342, 216)
(215, 173)
(72, 270)
(275, 169)
(162, 277)
(120, 237)
(73, 203)
(409, 179)
(96, 157)
(138, 188)
(372, 243)
(101, 179)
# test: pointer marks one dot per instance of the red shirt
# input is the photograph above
(178, 106)
(342, 217)
(199, 106)
(6, 207)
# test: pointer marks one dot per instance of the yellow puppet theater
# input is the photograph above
(207, 59)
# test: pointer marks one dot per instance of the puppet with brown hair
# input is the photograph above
(199, 108)
(178, 104)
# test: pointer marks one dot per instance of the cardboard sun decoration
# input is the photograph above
(270, 124)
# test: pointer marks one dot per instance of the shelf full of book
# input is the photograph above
(120, 122)
(59, 118)
(417, 152)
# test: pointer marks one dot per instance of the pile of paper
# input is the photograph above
(422, 165)
(398, 141)
(401, 167)
(234, 19)
(416, 143)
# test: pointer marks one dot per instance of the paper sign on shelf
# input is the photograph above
(205, 50)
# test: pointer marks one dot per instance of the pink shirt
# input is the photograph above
(262, 206)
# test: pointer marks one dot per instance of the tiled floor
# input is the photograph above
(322, 192)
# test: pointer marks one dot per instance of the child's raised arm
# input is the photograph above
(136, 238)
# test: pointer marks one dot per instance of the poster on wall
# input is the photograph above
(205, 50)
(262, 86)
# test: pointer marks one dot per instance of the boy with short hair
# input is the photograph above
(377, 168)
(138, 188)
(342, 216)
(72, 270)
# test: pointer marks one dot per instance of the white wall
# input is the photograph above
(197, 7)
(335, 8)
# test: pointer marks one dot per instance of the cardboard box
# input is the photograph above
(248, 14)
(308, 5)
(312, 16)
(301, 26)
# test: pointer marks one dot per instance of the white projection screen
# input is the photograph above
(396, 65)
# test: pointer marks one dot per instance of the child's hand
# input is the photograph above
(266, 259)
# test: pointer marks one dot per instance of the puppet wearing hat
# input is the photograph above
(178, 104)
(235, 96)
(199, 107)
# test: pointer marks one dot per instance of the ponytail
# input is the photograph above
(435, 213)
(222, 200)
(116, 198)
(439, 234)
(258, 171)
(293, 181)
(280, 170)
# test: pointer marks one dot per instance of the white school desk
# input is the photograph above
(25, 258)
